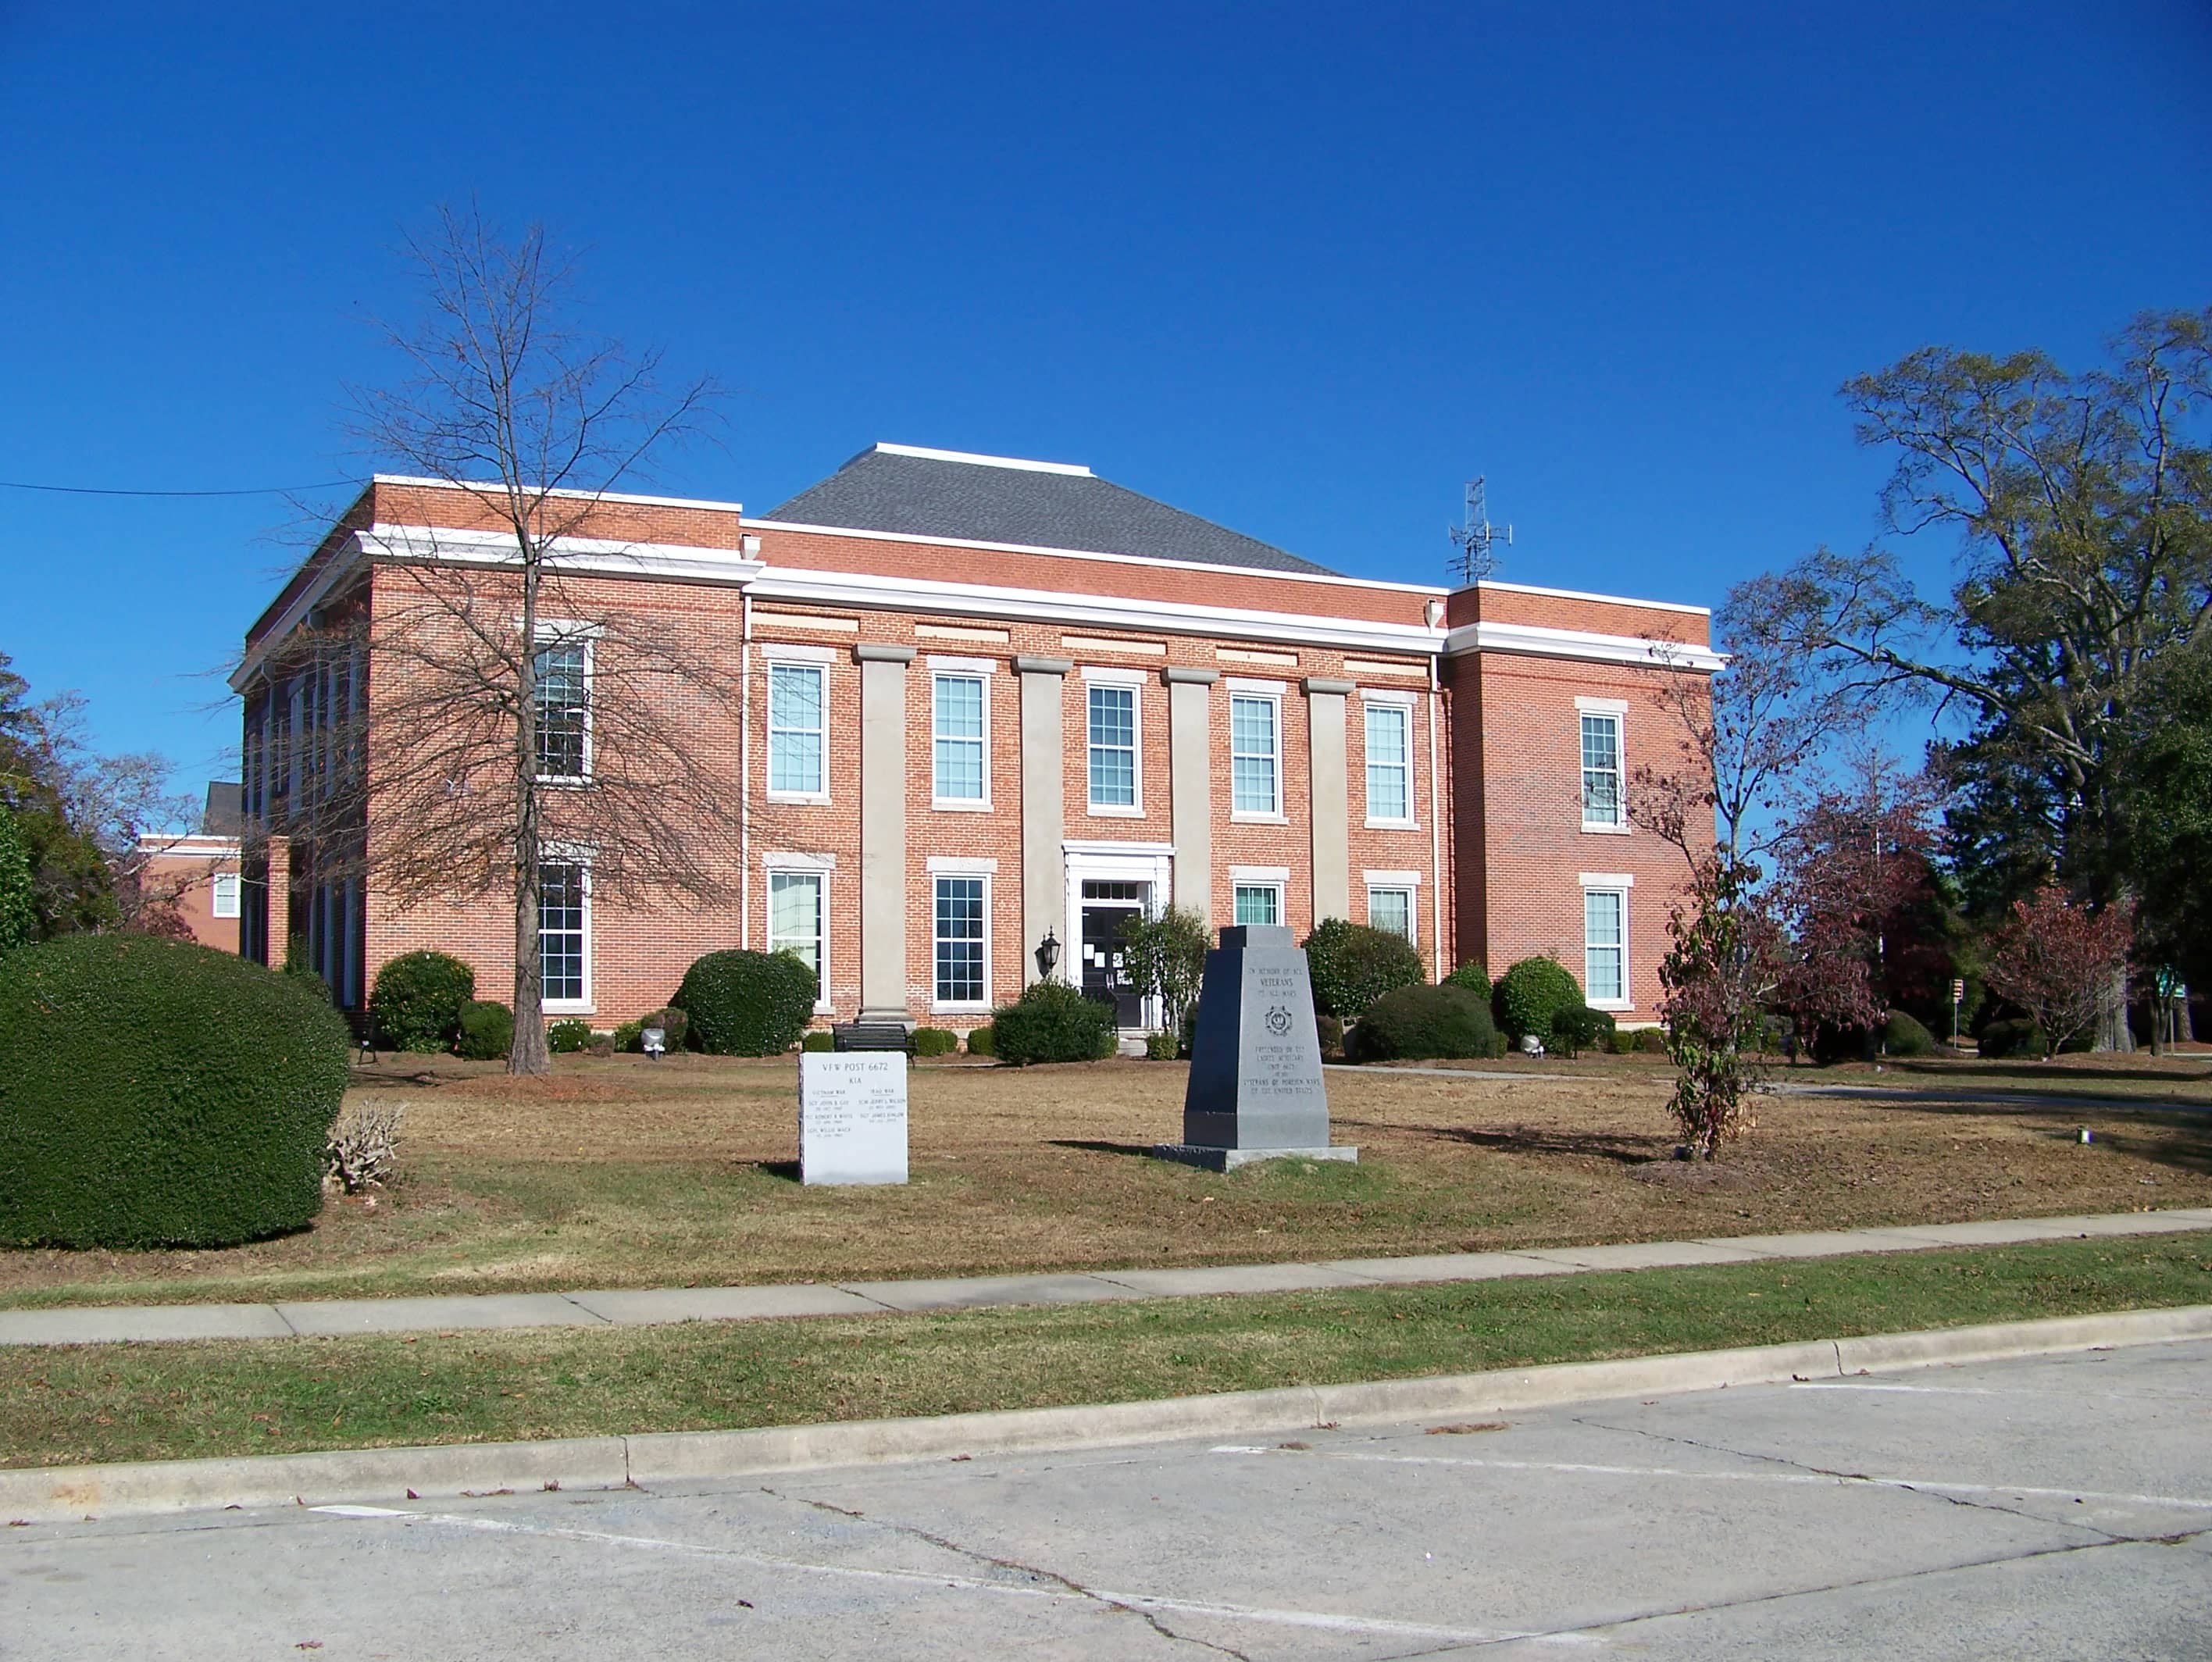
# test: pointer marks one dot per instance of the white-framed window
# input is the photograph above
(961, 932)
(1112, 713)
(960, 724)
(1259, 903)
(563, 705)
(564, 932)
(798, 922)
(1605, 948)
(1391, 906)
(1256, 755)
(1389, 761)
(223, 895)
(1604, 806)
(798, 731)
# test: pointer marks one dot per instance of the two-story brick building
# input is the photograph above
(980, 701)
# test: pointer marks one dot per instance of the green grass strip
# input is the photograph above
(98, 1402)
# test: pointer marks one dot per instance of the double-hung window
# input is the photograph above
(1605, 946)
(564, 932)
(1603, 807)
(798, 706)
(1256, 770)
(960, 942)
(796, 914)
(223, 900)
(959, 724)
(1390, 908)
(562, 707)
(1390, 763)
(1259, 903)
(1113, 746)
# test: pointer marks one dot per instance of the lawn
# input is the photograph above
(83, 1403)
(620, 1173)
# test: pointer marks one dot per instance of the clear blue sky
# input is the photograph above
(1300, 270)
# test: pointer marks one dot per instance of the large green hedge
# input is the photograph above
(747, 1003)
(417, 1001)
(1423, 1023)
(1052, 1021)
(157, 1094)
(1352, 966)
(1530, 993)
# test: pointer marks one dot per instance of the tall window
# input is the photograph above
(1391, 909)
(222, 900)
(798, 695)
(563, 712)
(1255, 760)
(1389, 761)
(795, 921)
(1605, 932)
(1113, 747)
(960, 979)
(1259, 903)
(959, 738)
(563, 923)
(1601, 804)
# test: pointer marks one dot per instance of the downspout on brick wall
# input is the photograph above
(1436, 831)
(745, 771)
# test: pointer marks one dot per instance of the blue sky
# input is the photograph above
(1300, 270)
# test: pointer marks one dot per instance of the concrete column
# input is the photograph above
(1190, 784)
(1044, 809)
(882, 830)
(1332, 798)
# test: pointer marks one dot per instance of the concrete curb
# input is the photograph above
(391, 1476)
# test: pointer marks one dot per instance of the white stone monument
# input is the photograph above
(852, 1117)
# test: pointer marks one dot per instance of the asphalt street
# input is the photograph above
(2049, 1508)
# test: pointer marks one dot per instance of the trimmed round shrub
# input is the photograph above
(1162, 1045)
(154, 1093)
(1422, 1024)
(1474, 976)
(1529, 994)
(487, 1031)
(1651, 1041)
(982, 1041)
(935, 1041)
(1052, 1021)
(416, 1002)
(1352, 966)
(818, 1041)
(747, 1003)
(1904, 1036)
(1576, 1027)
(2017, 1036)
(569, 1036)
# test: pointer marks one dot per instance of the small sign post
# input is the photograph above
(1957, 998)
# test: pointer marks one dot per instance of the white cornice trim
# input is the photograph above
(1584, 594)
(979, 460)
(1208, 566)
(480, 489)
(1530, 640)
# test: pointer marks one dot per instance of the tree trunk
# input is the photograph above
(2113, 1033)
(528, 1053)
(2184, 1032)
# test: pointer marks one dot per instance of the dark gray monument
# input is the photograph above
(1255, 1089)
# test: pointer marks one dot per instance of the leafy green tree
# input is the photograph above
(1165, 959)
(19, 917)
(2165, 800)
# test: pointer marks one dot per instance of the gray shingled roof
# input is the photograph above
(984, 501)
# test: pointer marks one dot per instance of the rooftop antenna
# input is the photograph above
(1477, 539)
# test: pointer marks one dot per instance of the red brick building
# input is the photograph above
(986, 700)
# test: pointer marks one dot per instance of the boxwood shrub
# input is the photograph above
(1421, 1023)
(568, 1036)
(747, 1003)
(822, 1041)
(935, 1041)
(1352, 966)
(154, 1093)
(1527, 995)
(1474, 976)
(1903, 1035)
(982, 1041)
(1052, 1021)
(1576, 1027)
(416, 1002)
(487, 1031)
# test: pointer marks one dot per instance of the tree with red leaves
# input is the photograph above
(2057, 961)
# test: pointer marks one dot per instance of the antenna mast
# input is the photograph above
(1478, 536)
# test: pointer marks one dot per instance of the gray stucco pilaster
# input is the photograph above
(1190, 787)
(1044, 806)
(1331, 809)
(882, 830)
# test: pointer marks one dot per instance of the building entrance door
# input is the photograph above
(1107, 908)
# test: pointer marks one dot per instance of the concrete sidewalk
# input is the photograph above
(140, 1323)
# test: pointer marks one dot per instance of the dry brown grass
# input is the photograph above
(618, 1171)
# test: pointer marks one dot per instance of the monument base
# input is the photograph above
(1228, 1160)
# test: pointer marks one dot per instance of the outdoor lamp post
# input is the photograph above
(1047, 956)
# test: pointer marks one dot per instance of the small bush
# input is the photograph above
(1330, 1032)
(1904, 1036)
(569, 1036)
(627, 1039)
(1576, 1027)
(819, 1041)
(2019, 1036)
(364, 1145)
(487, 1031)
(1422, 1024)
(935, 1041)
(1651, 1041)
(1474, 976)
(747, 1003)
(1529, 993)
(416, 1002)
(1352, 966)
(154, 1093)
(1052, 1021)
(1162, 1045)
(982, 1041)
(1620, 1043)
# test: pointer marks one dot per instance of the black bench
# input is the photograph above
(871, 1035)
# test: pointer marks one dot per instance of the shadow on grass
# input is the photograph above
(787, 1170)
(1093, 1145)
(2190, 1152)
(1622, 1151)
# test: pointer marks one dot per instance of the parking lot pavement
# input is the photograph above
(2048, 1508)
